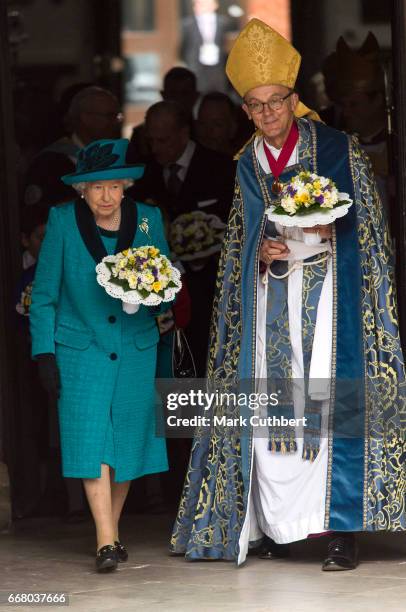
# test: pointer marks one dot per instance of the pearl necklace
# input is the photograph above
(111, 225)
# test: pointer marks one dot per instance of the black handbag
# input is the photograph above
(183, 364)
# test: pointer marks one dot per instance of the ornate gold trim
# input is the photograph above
(366, 408)
(333, 383)
(334, 347)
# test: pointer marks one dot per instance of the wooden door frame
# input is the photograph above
(9, 256)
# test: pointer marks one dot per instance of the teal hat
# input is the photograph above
(103, 160)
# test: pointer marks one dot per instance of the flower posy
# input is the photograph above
(196, 234)
(307, 192)
(143, 269)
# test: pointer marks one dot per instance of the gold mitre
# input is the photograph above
(261, 56)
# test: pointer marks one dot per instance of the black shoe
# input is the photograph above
(122, 553)
(342, 553)
(106, 559)
(271, 550)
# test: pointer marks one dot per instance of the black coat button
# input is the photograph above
(113, 356)
(112, 319)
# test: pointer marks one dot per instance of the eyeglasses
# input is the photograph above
(256, 107)
(110, 116)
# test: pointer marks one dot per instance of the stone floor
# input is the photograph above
(45, 555)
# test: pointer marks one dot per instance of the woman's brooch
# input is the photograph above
(144, 227)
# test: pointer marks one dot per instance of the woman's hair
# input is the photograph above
(80, 187)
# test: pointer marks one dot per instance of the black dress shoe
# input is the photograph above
(106, 559)
(121, 550)
(342, 553)
(271, 550)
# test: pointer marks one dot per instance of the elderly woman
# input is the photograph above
(96, 360)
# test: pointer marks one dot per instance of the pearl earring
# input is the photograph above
(82, 195)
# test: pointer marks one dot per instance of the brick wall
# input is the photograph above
(275, 13)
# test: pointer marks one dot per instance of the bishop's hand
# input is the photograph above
(272, 250)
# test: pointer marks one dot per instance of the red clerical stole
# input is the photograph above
(278, 165)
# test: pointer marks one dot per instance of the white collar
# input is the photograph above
(76, 140)
(274, 150)
(185, 159)
(260, 153)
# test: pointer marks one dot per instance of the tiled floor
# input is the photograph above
(49, 556)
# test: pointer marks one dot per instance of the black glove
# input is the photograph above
(48, 373)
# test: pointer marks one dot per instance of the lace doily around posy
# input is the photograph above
(312, 219)
(133, 297)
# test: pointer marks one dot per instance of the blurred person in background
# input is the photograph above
(64, 103)
(179, 85)
(216, 125)
(184, 177)
(354, 81)
(203, 45)
(94, 113)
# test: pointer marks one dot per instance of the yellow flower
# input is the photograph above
(125, 253)
(317, 185)
(157, 286)
(153, 251)
(304, 197)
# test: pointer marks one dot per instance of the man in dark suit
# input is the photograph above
(203, 45)
(183, 177)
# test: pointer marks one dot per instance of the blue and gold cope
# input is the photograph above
(366, 481)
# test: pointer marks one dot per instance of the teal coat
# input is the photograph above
(106, 357)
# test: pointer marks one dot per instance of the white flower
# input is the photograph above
(147, 277)
(328, 201)
(298, 184)
(334, 195)
(289, 205)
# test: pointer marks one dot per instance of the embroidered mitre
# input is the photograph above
(261, 56)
